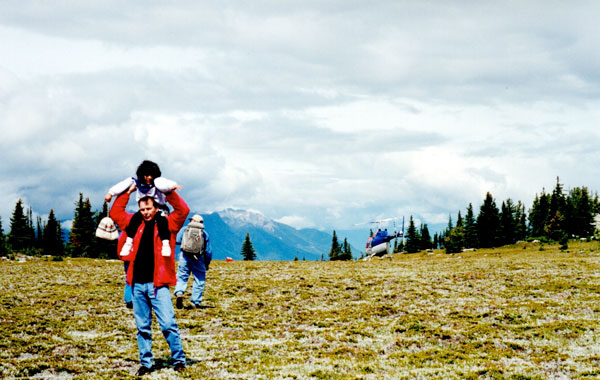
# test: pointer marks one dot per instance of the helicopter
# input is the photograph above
(379, 243)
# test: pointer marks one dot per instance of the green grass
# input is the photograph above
(509, 313)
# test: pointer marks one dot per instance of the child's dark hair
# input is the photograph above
(147, 168)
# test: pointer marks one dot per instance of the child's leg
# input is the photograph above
(134, 224)
(130, 231)
(163, 232)
(163, 227)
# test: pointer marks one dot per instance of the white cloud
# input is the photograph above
(319, 114)
(297, 221)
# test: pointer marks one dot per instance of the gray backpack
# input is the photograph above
(193, 239)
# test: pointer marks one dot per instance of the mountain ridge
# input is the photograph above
(271, 240)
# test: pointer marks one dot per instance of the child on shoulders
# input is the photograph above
(148, 183)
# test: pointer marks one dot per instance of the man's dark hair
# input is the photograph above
(147, 198)
(147, 168)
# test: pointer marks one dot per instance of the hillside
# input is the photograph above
(522, 312)
(271, 240)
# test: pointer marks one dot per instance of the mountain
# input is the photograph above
(271, 240)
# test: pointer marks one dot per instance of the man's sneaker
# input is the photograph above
(179, 367)
(143, 371)
(179, 302)
(129, 305)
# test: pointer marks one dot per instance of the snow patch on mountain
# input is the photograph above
(236, 218)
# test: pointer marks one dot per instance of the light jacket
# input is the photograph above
(156, 192)
(164, 267)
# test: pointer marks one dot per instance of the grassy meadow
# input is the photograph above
(519, 312)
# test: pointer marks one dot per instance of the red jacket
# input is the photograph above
(164, 267)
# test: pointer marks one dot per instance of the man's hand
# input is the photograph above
(107, 198)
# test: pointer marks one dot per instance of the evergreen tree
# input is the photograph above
(520, 222)
(82, 235)
(19, 237)
(30, 228)
(450, 225)
(579, 213)
(558, 200)
(248, 252)
(459, 220)
(412, 238)
(425, 237)
(52, 242)
(346, 251)
(488, 222)
(470, 228)
(455, 236)
(39, 235)
(454, 241)
(555, 228)
(539, 214)
(336, 250)
(3, 247)
(508, 223)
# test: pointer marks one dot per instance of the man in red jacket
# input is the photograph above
(150, 274)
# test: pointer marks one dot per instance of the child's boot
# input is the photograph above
(127, 247)
(166, 248)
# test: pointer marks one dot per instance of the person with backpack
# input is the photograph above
(196, 255)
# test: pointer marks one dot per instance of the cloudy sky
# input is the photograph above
(316, 113)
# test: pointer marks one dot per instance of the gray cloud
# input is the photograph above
(324, 113)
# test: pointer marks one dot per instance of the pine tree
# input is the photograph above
(520, 222)
(82, 235)
(470, 228)
(454, 241)
(425, 237)
(30, 228)
(459, 220)
(579, 213)
(19, 237)
(52, 242)
(336, 250)
(555, 227)
(450, 226)
(488, 222)
(455, 236)
(3, 247)
(346, 253)
(412, 238)
(539, 214)
(508, 225)
(38, 234)
(248, 252)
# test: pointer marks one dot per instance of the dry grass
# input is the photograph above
(511, 313)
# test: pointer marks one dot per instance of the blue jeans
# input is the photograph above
(145, 299)
(198, 269)
(127, 289)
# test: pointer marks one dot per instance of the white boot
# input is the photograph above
(127, 247)
(166, 248)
